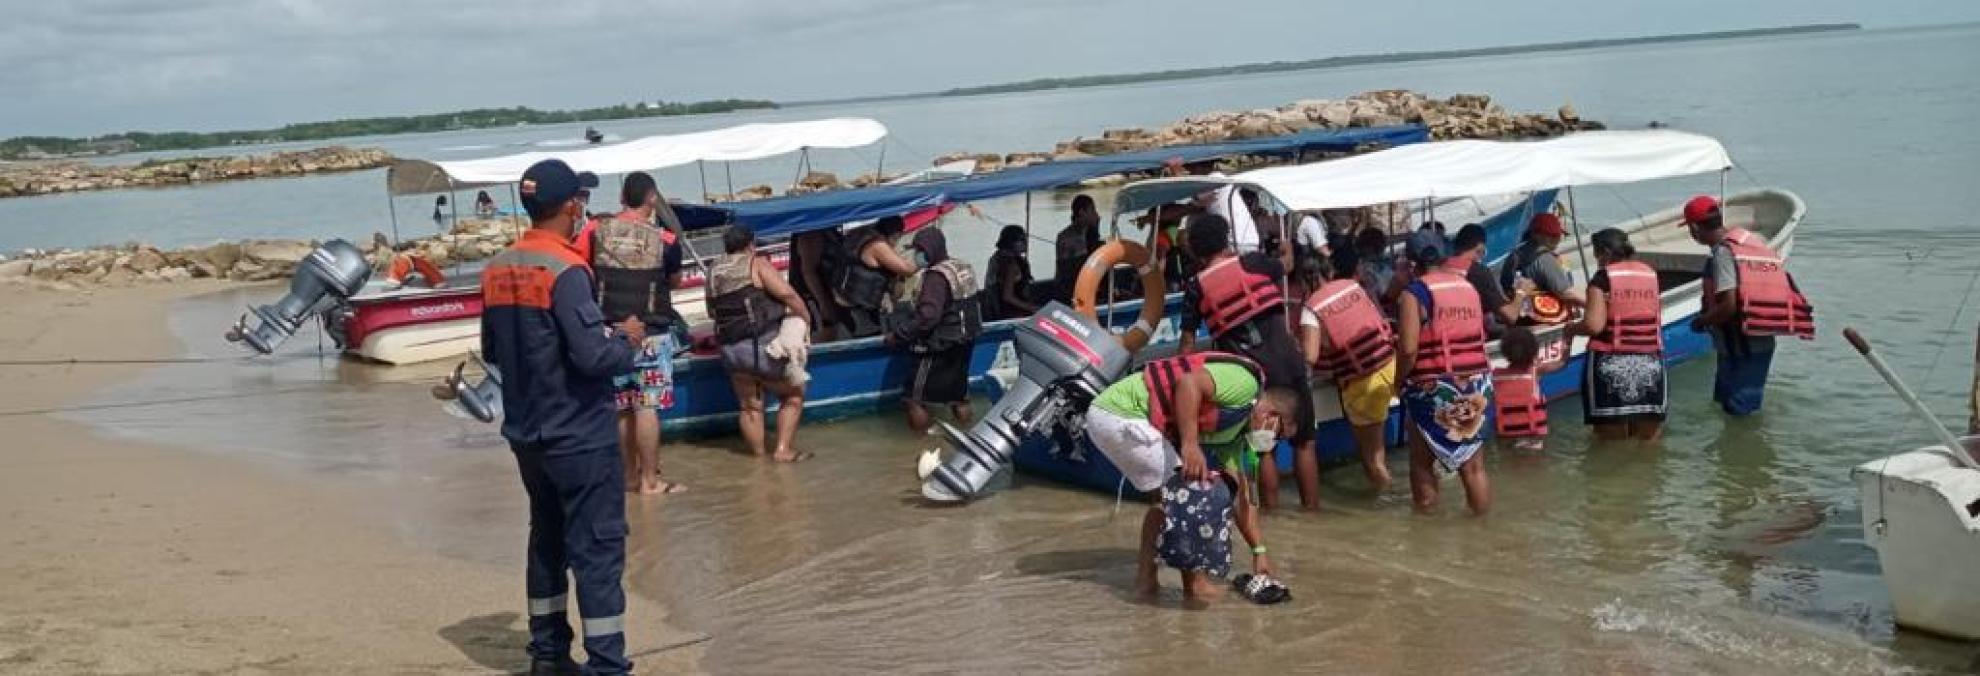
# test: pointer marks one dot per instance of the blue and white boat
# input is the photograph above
(1444, 170)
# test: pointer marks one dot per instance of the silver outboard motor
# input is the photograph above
(481, 401)
(1064, 360)
(328, 275)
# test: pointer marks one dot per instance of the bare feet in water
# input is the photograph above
(1145, 584)
(789, 456)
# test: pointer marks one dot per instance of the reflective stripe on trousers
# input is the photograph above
(577, 527)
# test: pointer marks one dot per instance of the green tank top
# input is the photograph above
(1236, 388)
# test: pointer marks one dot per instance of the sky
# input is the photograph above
(87, 67)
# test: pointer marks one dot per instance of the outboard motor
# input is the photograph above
(1064, 360)
(330, 274)
(481, 401)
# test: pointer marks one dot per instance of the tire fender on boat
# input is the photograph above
(1097, 269)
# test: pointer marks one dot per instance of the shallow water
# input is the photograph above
(1734, 546)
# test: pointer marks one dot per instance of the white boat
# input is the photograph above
(1921, 512)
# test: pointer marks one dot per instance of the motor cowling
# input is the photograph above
(1064, 360)
(481, 401)
(333, 272)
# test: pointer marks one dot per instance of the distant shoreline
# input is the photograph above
(1044, 84)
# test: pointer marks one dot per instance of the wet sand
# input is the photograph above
(119, 556)
(1707, 555)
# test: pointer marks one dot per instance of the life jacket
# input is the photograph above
(1001, 265)
(1635, 311)
(741, 309)
(1360, 339)
(1522, 409)
(857, 284)
(1452, 342)
(1233, 295)
(405, 263)
(1160, 377)
(962, 318)
(629, 259)
(1769, 302)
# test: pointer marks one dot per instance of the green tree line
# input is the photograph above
(25, 147)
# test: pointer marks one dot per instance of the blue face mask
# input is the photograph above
(920, 259)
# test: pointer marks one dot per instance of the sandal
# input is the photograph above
(1261, 589)
(800, 457)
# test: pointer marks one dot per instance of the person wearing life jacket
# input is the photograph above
(815, 260)
(638, 264)
(940, 333)
(1190, 427)
(753, 309)
(1446, 376)
(1469, 248)
(1348, 341)
(866, 272)
(1009, 294)
(1519, 402)
(1623, 387)
(1534, 276)
(1239, 300)
(542, 327)
(1749, 300)
(1075, 242)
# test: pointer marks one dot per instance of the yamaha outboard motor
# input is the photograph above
(481, 401)
(328, 275)
(1064, 360)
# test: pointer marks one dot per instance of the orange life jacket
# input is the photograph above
(1635, 312)
(404, 264)
(1452, 342)
(1522, 409)
(1359, 340)
(1769, 302)
(1233, 295)
(1160, 377)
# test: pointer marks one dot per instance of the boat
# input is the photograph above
(1456, 168)
(408, 325)
(592, 136)
(863, 376)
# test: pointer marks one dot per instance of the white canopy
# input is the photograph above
(743, 142)
(1447, 169)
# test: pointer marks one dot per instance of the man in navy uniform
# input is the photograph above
(541, 324)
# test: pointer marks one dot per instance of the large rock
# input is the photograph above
(286, 252)
(820, 180)
(146, 260)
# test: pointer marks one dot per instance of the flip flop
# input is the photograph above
(800, 457)
(1261, 589)
(671, 487)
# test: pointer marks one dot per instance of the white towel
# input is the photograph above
(793, 345)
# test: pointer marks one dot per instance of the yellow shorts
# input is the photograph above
(1366, 400)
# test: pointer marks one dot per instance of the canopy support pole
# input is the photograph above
(701, 167)
(1580, 243)
(454, 212)
(392, 207)
(1722, 186)
(1027, 214)
(729, 176)
(880, 168)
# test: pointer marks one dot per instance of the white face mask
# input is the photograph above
(1263, 441)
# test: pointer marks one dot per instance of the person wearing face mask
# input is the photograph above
(1009, 294)
(542, 326)
(940, 333)
(1192, 427)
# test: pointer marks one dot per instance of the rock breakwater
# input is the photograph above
(48, 178)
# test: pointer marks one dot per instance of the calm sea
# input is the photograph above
(1734, 548)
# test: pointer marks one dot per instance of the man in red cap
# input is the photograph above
(1745, 345)
(1533, 267)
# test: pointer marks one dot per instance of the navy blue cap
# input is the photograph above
(1426, 246)
(546, 186)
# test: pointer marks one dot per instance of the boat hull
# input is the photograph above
(1921, 512)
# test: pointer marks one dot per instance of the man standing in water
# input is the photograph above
(1749, 299)
(637, 263)
(542, 326)
(940, 332)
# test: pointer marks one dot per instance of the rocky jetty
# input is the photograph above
(47, 178)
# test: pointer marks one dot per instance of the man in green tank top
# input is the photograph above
(1195, 474)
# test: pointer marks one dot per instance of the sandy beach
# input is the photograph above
(129, 558)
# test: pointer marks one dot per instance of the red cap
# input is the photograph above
(1546, 224)
(1699, 209)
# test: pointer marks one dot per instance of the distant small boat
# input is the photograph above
(593, 136)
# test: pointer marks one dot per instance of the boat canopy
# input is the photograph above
(742, 142)
(801, 213)
(1446, 169)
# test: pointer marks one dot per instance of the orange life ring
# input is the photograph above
(1548, 309)
(1153, 288)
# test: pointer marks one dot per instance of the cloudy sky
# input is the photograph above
(76, 67)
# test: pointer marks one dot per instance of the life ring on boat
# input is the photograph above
(1098, 269)
(1547, 308)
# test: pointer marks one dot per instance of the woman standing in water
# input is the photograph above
(1440, 356)
(1623, 389)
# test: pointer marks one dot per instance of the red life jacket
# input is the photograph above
(1452, 342)
(1769, 303)
(1233, 295)
(1522, 410)
(1635, 311)
(1359, 340)
(1160, 377)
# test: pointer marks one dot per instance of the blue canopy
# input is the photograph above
(802, 213)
